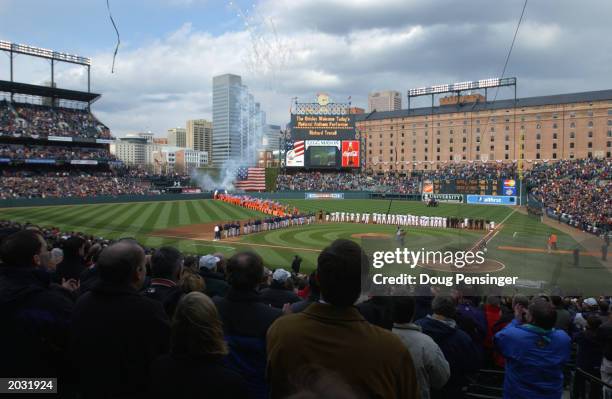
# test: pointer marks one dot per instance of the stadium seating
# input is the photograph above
(22, 152)
(577, 192)
(39, 121)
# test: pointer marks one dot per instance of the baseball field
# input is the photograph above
(517, 246)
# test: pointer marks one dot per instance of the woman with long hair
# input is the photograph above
(194, 367)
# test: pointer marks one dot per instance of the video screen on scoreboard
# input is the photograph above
(322, 141)
(323, 157)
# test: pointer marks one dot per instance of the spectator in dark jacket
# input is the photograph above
(378, 310)
(73, 264)
(589, 355)
(458, 348)
(215, 281)
(564, 319)
(604, 310)
(280, 291)
(166, 271)
(313, 296)
(296, 264)
(194, 367)
(246, 320)
(35, 317)
(116, 332)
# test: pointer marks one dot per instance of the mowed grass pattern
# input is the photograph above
(136, 220)
(278, 247)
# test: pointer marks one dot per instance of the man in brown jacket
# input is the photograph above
(332, 335)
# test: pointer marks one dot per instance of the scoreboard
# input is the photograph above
(475, 186)
(323, 141)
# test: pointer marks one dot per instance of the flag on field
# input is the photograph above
(250, 179)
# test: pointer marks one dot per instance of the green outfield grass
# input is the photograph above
(140, 220)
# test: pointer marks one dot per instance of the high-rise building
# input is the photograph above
(147, 136)
(271, 138)
(199, 135)
(168, 159)
(238, 121)
(382, 101)
(131, 149)
(177, 137)
(187, 160)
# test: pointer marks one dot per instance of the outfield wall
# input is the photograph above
(277, 195)
(25, 202)
(302, 194)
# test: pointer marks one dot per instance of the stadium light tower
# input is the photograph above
(458, 88)
(54, 56)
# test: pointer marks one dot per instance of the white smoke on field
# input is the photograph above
(266, 57)
(205, 181)
(252, 121)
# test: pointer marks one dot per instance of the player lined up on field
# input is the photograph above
(235, 229)
(409, 220)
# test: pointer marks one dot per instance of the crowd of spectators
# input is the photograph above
(346, 181)
(578, 192)
(19, 152)
(74, 183)
(397, 183)
(30, 120)
(115, 319)
(473, 170)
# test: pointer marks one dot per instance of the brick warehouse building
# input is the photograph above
(565, 126)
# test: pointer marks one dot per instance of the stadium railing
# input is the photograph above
(486, 384)
(586, 385)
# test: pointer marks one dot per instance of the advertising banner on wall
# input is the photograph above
(450, 198)
(491, 200)
(83, 162)
(428, 187)
(295, 154)
(350, 154)
(509, 187)
(324, 196)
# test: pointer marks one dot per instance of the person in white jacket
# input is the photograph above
(432, 369)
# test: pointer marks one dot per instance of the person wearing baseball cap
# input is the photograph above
(280, 291)
(215, 282)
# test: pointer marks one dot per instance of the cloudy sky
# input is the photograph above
(171, 49)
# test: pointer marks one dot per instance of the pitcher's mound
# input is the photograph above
(370, 235)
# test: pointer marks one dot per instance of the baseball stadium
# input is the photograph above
(488, 203)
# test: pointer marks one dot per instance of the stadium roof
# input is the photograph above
(46, 91)
(486, 106)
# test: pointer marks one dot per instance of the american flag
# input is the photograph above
(296, 146)
(250, 179)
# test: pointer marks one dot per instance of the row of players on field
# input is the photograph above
(234, 229)
(409, 220)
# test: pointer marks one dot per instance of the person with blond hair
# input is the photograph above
(191, 281)
(195, 365)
